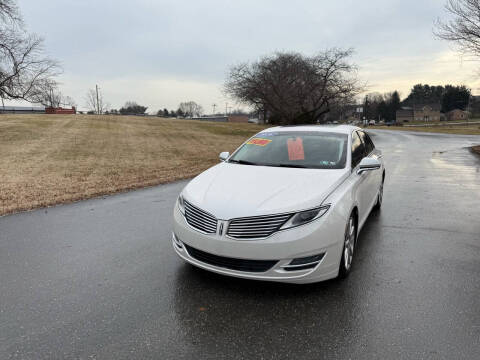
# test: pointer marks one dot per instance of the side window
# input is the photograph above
(358, 150)
(367, 141)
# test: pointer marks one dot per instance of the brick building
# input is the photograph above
(423, 112)
(457, 115)
(60, 110)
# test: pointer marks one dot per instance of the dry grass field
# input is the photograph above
(51, 159)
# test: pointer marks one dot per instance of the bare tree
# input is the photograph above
(95, 101)
(49, 95)
(69, 101)
(190, 109)
(294, 88)
(24, 70)
(9, 11)
(464, 28)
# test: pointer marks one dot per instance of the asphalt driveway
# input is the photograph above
(98, 279)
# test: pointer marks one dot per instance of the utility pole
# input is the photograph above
(365, 114)
(214, 106)
(226, 109)
(98, 104)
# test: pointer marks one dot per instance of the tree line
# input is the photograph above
(385, 106)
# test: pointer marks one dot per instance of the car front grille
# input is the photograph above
(200, 219)
(231, 263)
(256, 227)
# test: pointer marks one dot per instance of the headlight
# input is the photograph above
(305, 217)
(181, 204)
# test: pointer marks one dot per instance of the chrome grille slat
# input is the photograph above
(257, 226)
(242, 227)
(201, 226)
(250, 231)
(199, 212)
(253, 230)
(260, 219)
(200, 219)
(272, 223)
(198, 215)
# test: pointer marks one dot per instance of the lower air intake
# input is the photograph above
(231, 263)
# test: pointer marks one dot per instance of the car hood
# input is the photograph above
(232, 190)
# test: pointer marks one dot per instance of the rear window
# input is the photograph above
(294, 149)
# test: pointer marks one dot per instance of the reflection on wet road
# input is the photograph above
(98, 279)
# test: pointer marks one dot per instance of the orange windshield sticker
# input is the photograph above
(259, 141)
(295, 149)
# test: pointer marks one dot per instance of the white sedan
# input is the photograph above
(286, 206)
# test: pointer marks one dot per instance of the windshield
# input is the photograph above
(294, 149)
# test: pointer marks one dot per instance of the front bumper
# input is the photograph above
(323, 236)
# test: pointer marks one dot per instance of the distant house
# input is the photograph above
(60, 110)
(238, 118)
(457, 114)
(404, 115)
(423, 112)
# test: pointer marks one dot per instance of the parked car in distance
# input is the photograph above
(335, 122)
(371, 122)
(286, 206)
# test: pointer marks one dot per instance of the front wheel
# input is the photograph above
(348, 248)
(378, 204)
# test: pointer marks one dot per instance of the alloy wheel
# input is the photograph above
(349, 244)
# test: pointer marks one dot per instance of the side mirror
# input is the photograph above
(368, 164)
(224, 155)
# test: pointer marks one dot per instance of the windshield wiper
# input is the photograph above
(292, 166)
(243, 162)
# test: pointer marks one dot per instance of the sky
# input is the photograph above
(160, 53)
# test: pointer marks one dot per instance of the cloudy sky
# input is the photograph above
(162, 52)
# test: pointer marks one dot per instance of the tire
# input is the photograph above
(348, 249)
(378, 204)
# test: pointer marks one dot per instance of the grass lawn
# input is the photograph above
(50, 159)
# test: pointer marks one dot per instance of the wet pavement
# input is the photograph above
(98, 279)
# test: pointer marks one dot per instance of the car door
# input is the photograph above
(361, 185)
(374, 177)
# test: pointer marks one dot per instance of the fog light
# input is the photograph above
(306, 260)
(304, 263)
(177, 241)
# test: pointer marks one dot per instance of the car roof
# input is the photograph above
(339, 129)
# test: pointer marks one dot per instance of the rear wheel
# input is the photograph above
(348, 247)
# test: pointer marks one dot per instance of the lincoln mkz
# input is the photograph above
(286, 206)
